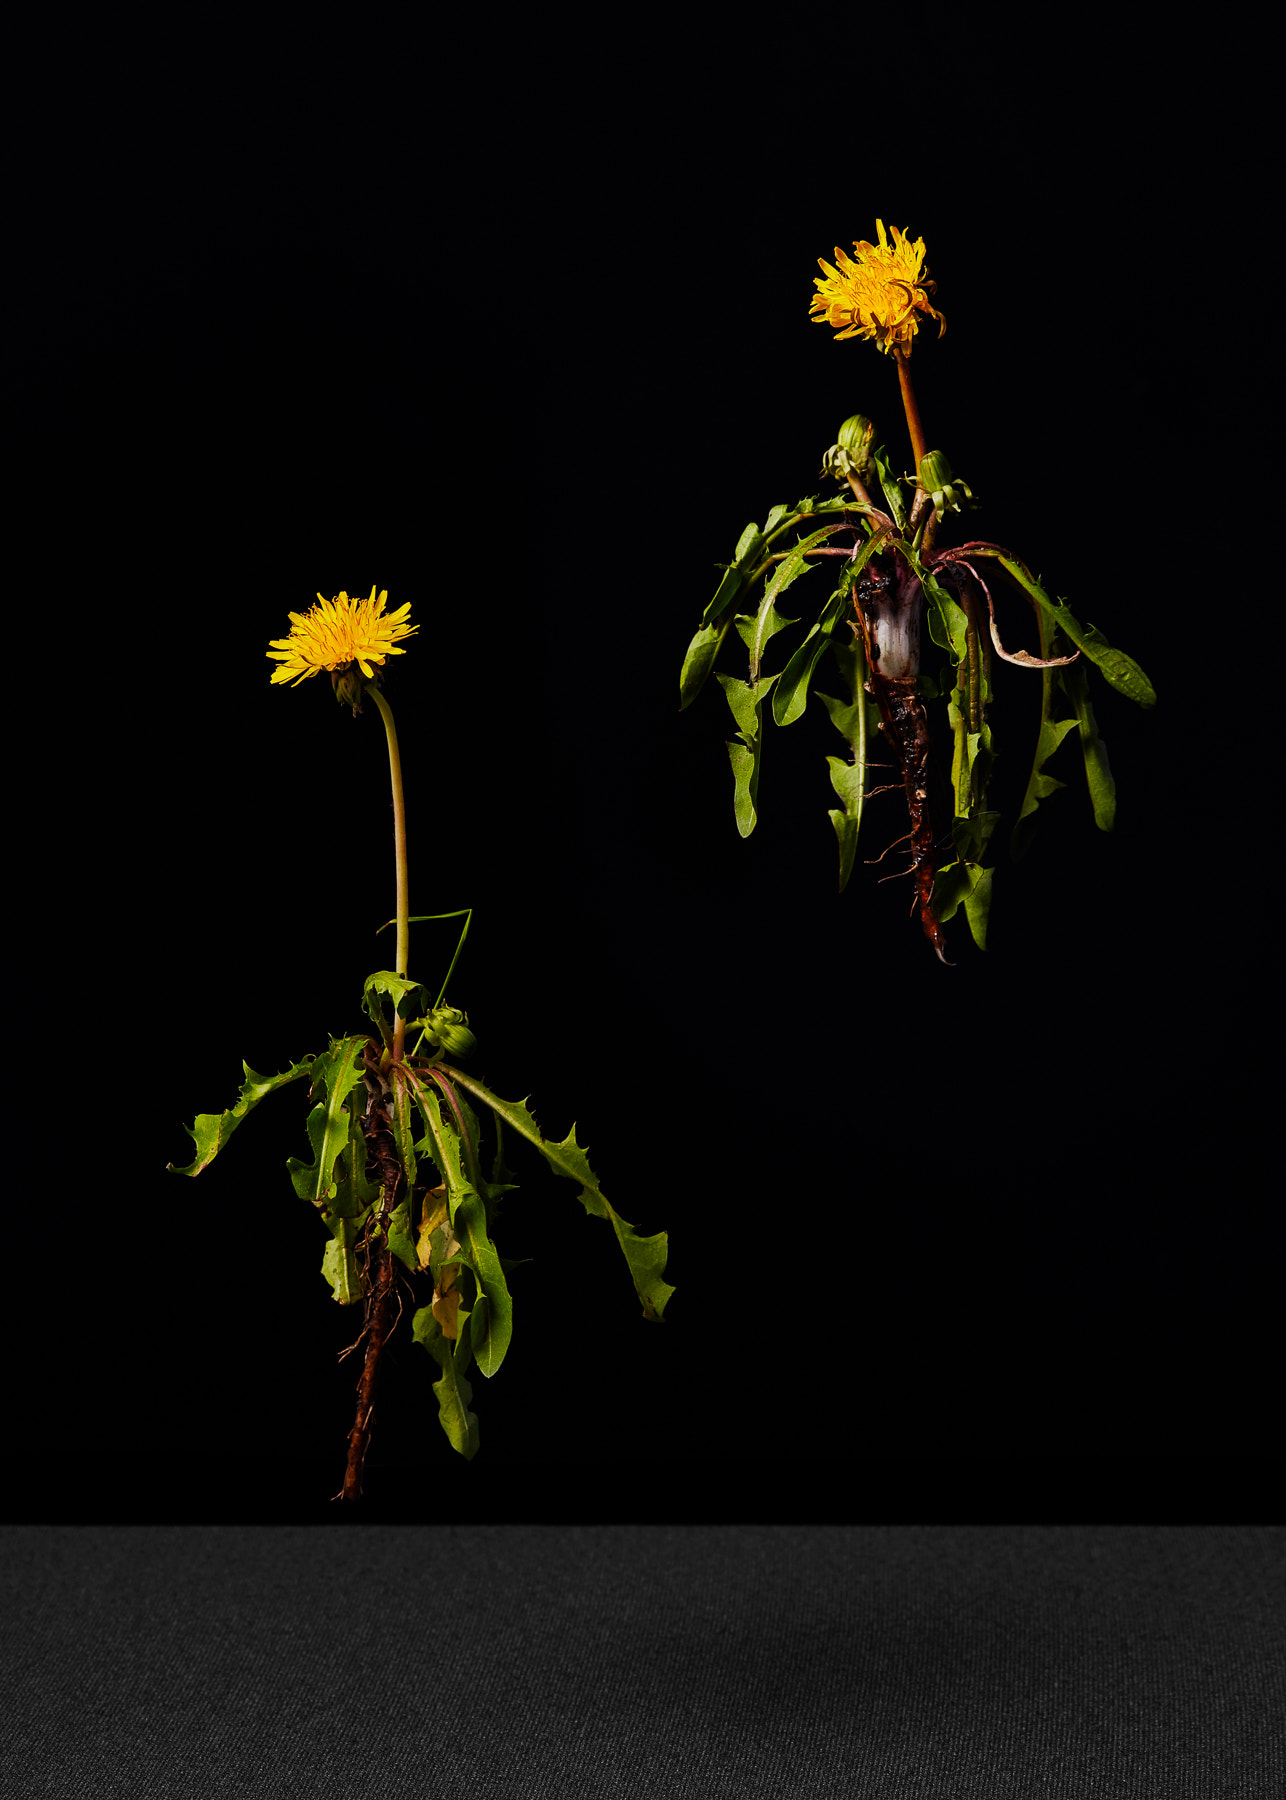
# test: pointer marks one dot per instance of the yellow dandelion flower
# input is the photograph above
(879, 295)
(335, 634)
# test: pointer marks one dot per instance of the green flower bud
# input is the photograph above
(856, 436)
(446, 1026)
(944, 489)
(935, 472)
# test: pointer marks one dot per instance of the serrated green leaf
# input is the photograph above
(848, 781)
(339, 1261)
(337, 1070)
(1039, 785)
(646, 1257)
(769, 621)
(745, 699)
(846, 715)
(453, 1391)
(401, 1237)
(211, 1131)
(403, 1122)
(410, 998)
(759, 628)
(745, 785)
(849, 718)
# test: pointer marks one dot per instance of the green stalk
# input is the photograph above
(399, 849)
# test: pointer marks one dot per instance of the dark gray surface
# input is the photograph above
(516, 1662)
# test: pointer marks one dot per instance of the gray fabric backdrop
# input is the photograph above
(514, 1662)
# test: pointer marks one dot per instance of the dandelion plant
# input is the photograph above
(892, 574)
(396, 1133)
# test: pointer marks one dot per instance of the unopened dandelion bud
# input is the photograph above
(935, 471)
(447, 1027)
(856, 436)
(852, 454)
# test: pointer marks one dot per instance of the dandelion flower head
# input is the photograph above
(335, 634)
(880, 294)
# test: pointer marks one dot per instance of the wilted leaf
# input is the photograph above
(469, 1222)
(1120, 670)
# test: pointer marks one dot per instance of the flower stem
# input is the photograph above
(399, 847)
(912, 409)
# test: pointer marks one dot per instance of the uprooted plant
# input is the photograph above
(891, 574)
(385, 1115)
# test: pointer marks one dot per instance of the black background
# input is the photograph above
(519, 331)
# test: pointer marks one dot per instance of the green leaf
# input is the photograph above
(745, 785)
(1120, 670)
(211, 1131)
(409, 998)
(750, 548)
(972, 757)
(646, 1257)
(849, 718)
(847, 780)
(339, 1263)
(724, 595)
(978, 905)
(967, 883)
(469, 1222)
(453, 1391)
(892, 487)
(948, 621)
(1039, 785)
(756, 631)
(404, 1134)
(338, 1070)
(1098, 772)
(401, 1235)
(769, 621)
(790, 696)
(700, 659)
(745, 700)
(774, 518)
